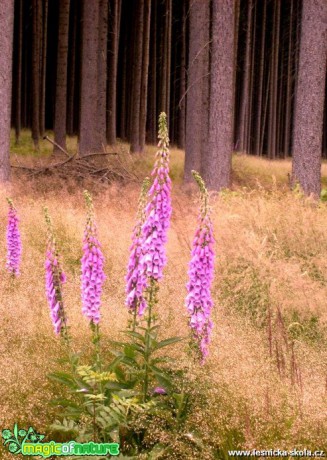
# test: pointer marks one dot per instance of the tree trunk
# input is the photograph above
(309, 106)
(89, 139)
(152, 108)
(145, 70)
(288, 113)
(6, 52)
(18, 99)
(114, 16)
(197, 74)
(123, 102)
(71, 76)
(102, 72)
(182, 85)
(245, 97)
(61, 83)
(237, 16)
(167, 54)
(258, 125)
(137, 79)
(36, 73)
(272, 128)
(43, 60)
(217, 167)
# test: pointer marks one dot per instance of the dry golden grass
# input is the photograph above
(271, 250)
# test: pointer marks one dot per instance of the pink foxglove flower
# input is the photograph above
(14, 245)
(93, 276)
(158, 210)
(54, 278)
(136, 280)
(198, 301)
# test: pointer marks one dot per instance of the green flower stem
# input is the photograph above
(147, 352)
(64, 330)
(96, 341)
(203, 191)
(134, 320)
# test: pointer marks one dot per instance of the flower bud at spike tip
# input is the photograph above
(93, 276)
(14, 245)
(54, 278)
(198, 301)
(136, 281)
(158, 210)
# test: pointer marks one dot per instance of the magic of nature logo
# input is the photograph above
(28, 442)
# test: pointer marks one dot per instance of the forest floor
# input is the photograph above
(265, 380)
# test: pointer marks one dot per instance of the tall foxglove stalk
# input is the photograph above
(154, 235)
(158, 210)
(136, 280)
(54, 279)
(198, 301)
(14, 245)
(93, 276)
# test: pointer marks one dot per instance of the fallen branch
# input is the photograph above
(56, 145)
(97, 154)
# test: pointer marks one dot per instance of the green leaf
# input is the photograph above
(136, 335)
(64, 378)
(129, 351)
(166, 342)
(64, 403)
(163, 378)
(163, 359)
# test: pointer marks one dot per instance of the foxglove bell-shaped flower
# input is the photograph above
(14, 245)
(93, 276)
(54, 278)
(198, 301)
(136, 280)
(158, 210)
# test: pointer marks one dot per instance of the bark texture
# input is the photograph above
(61, 85)
(137, 80)
(114, 21)
(310, 94)
(197, 75)
(6, 50)
(217, 167)
(89, 139)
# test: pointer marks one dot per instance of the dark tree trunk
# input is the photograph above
(245, 96)
(102, 72)
(152, 107)
(145, 70)
(217, 167)
(288, 110)
(205, 90)
(36, 11)
(43, 60)
(167, 54)
(71, 71)
(137, 79)
(123, 101)
(273, 96)
(258, 125)
(197, 74)
(182, 85)
(89, 139)
(309, 106)
(18, 99)
(114, 21)
(6, 52)
(61, 83)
